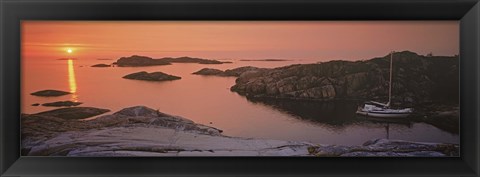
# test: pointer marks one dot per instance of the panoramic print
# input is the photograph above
(240, 88)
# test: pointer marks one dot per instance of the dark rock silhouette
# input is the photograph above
(62, 104)
(50, 93)
(100, 65)
(191, 60)
(155, 76)
(208, 71)
(74, 112)
(136, 60)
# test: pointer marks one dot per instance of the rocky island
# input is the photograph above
(417, 79)
(142, 131)
(236, 72)
(264, 60)
(191, 60)
(154, 76)
(136, 61)
(100, 65)
(50, 93)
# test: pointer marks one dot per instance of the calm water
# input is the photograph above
(208, 100)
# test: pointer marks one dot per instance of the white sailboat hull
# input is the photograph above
(371, 110)
(383, 114)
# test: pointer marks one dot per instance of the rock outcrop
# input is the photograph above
(73, 112)
(417, 79)
(387, 148)
(50, 93)
(62, 104)
(142, 131)
(154, 76)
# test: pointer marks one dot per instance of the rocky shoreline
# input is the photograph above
(142, 131)
(417, 79)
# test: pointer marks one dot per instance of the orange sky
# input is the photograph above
(321, 40)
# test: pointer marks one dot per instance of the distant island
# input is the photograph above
(264, 60)
(137, 61)
(101, 65)
(67, 59)
(236, 72)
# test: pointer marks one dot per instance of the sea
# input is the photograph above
(208, 100)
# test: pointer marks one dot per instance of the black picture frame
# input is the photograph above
(12, 12)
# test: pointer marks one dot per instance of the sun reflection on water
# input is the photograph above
(72, 83)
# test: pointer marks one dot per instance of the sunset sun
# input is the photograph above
(69, 50)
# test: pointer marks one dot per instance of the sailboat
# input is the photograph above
(381, 110)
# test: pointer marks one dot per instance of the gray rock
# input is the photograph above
(388, 148)
(142, 131)
(155, 76)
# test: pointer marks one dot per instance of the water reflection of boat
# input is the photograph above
(376, 109)
(383, 120)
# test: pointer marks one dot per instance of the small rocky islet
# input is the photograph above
(62, 104)
(154, 133)
(101, 65)
(154, 76)
(50, 93)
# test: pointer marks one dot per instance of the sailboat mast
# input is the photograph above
(390, 83)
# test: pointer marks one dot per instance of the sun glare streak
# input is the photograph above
(71, 80)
